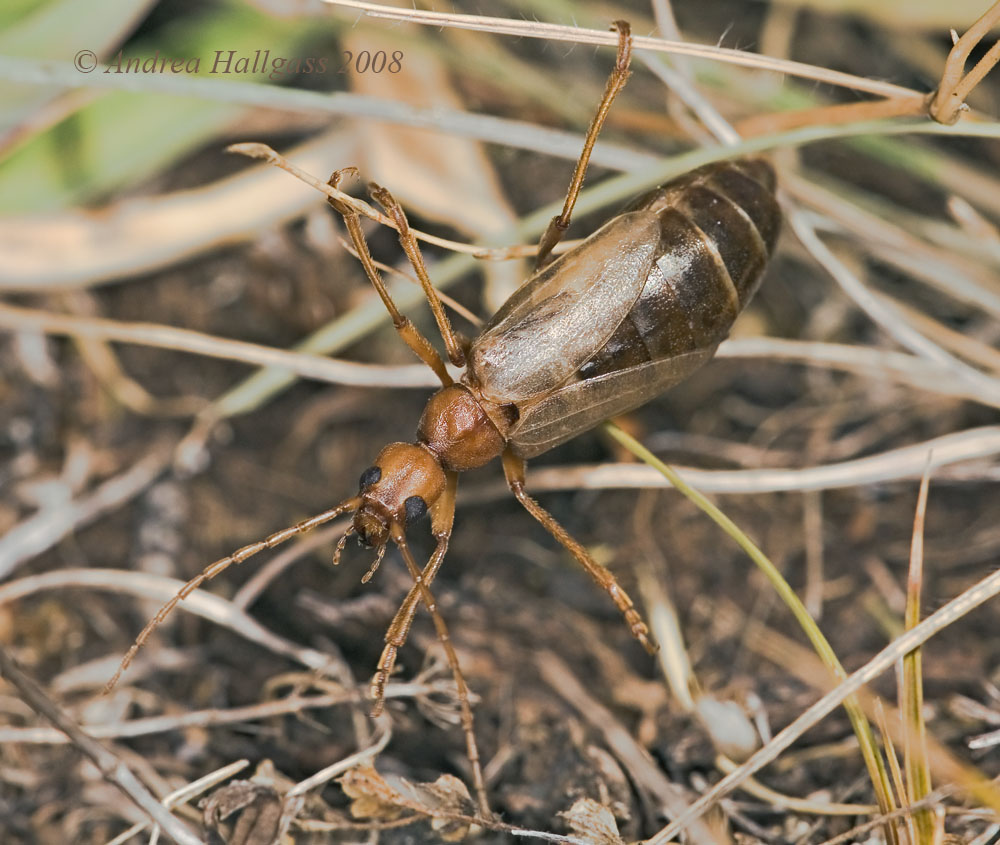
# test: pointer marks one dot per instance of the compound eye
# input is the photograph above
(369, 477)
(416, 507)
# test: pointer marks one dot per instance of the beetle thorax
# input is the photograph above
(457, 429)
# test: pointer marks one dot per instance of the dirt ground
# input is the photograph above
(567, 705)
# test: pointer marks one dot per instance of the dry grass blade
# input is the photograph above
(886, 316)
(578, 35)
(871, 362)
(951, 272)
(185, 794)
(954, 610)
(263, 151)
(900, 464)
(161, 589)
(197, 343)
(216, 717)
(49, 525)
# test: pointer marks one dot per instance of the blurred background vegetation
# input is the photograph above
(126, 467)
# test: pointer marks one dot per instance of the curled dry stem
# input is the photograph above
(948, 102)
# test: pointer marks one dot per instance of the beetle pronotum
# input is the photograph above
(629, 312)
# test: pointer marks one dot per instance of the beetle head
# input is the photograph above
(397, 490)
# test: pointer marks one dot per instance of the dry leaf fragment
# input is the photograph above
(373, 798)
(386, 798)
(260, 809)
(265, 811)
(446, 795)
(594, 822)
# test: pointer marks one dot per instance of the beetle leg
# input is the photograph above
(399, 628)
(442, 519)
(619, 76)
(513, 468)
(410, 334)
(409, 243)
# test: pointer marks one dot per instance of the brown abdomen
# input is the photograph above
(718, 227)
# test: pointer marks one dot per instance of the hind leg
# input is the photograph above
(513, 468)
(619, 76)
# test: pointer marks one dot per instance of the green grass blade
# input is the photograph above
(859, 722)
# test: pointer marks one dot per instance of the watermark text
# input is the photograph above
(242, 63)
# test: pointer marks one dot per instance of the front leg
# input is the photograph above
(513, 468)
(442, 520)
(410, 334)
(399, 628)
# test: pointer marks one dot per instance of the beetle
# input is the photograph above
(597, 331)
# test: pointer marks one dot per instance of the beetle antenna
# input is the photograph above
(209, 572)
(378, 559)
